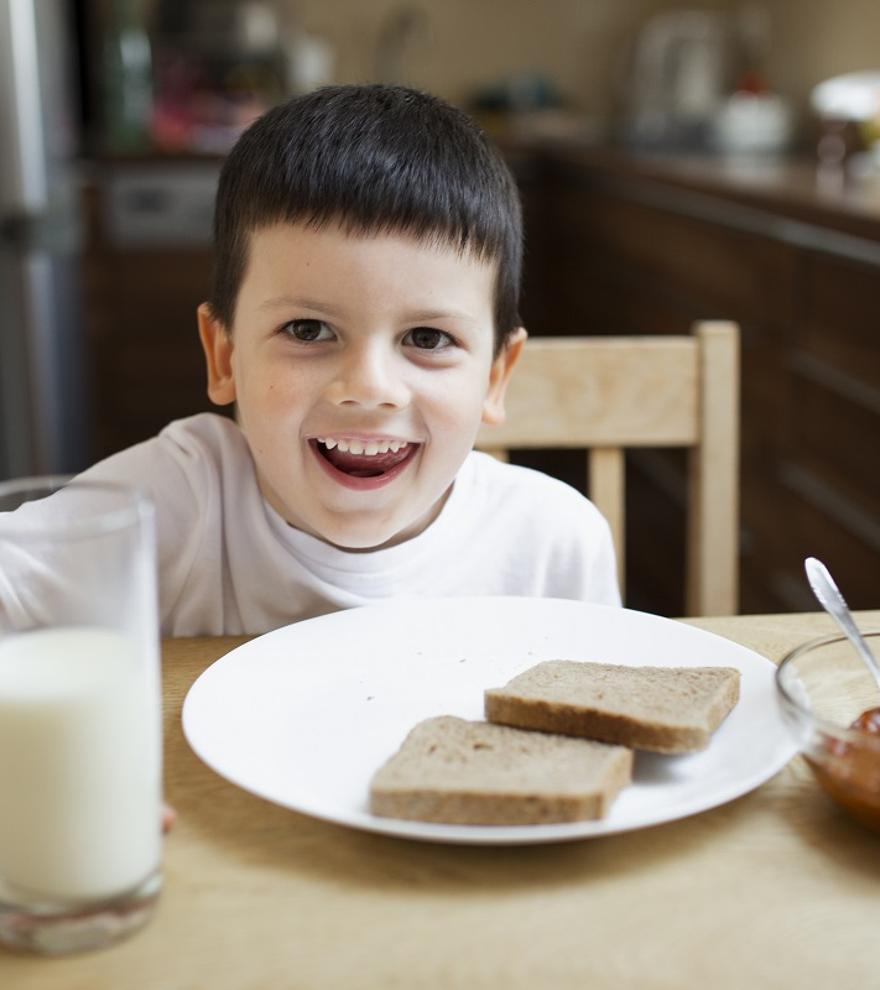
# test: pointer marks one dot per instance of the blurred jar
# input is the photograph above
(753, 123)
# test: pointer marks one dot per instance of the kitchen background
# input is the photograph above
(463, 45)
(677, 162)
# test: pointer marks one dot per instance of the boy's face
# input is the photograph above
(362, 367)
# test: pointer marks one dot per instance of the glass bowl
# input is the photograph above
(823, 687)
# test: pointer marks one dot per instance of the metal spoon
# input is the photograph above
(831, 600)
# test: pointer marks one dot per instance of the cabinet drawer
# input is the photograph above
(835, 440)
(839, 325)
(853, 563)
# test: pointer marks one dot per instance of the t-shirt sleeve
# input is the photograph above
(178, 472)
(175, 479)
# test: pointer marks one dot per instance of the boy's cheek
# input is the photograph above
(277, 396)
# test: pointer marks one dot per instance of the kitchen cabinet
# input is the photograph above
(147, 266)
(649, 246)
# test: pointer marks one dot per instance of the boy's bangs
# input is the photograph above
(372, 188)
(437, 235)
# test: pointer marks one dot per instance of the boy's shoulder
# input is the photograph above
(190, 453)
(527, 491)
(536, 527)
(501, 474)
(206, 434)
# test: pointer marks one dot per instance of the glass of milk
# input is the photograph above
(80, 714)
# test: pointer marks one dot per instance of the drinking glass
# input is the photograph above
(80, 714)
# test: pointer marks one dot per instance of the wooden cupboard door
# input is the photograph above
(145, 358)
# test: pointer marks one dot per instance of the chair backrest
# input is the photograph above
(607, 394)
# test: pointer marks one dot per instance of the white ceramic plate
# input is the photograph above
(304, 715)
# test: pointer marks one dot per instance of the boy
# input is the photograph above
(364, 321)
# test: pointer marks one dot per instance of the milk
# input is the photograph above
(80, 765)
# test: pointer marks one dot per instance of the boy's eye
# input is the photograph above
(307, 330)
(428, 339)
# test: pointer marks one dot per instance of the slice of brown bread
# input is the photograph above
(662, 709)
(473, 773)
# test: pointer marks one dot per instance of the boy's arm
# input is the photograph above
(605, 586)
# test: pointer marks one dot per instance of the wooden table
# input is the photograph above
(776, 889)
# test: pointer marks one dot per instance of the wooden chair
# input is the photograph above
(611, 393)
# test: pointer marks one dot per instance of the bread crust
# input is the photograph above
(542, 699)
(463, 808)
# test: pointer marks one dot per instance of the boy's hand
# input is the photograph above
(169, 817)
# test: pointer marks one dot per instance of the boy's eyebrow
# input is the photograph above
(438, 314)
(276, 302)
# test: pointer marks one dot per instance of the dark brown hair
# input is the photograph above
(374, 158)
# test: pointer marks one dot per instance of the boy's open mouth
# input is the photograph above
(364, 459)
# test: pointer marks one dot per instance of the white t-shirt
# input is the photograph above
(229, 564)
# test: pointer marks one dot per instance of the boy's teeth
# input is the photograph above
(367, 448)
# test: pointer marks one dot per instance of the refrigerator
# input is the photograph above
(43, 394)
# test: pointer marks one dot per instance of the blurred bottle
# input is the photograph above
(128, 81)
(309, 62)
(848, 111)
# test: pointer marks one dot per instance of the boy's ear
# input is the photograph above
(217, 345)
(499, 376)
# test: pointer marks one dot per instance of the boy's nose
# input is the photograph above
(370, 377)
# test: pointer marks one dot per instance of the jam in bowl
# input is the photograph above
(831, 703)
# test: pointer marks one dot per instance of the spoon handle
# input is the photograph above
(834, 604)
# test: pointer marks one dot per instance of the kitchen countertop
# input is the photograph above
(787, 187)
(791, 184)
(755, 191)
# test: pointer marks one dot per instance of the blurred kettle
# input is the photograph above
(679, 73)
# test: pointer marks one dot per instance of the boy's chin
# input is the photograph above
(361, 541)
(365, 538)
(364, 545)
(357, 532)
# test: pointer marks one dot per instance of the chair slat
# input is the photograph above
(575, 392)
(606, 490)
(713, 531)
